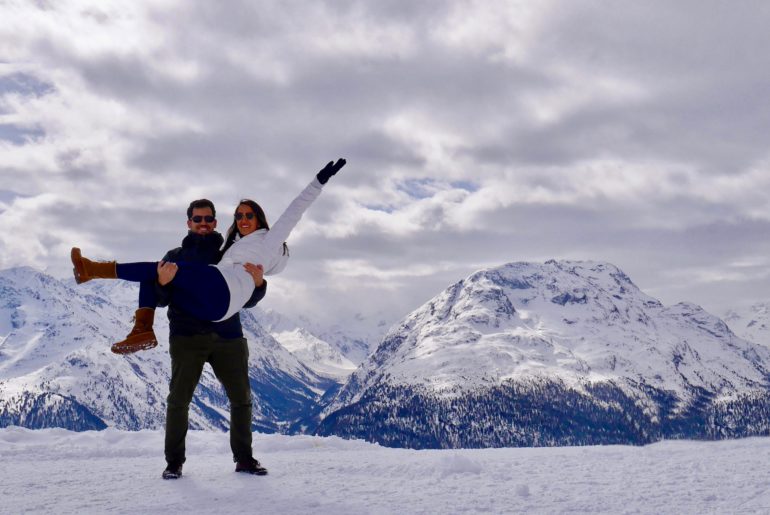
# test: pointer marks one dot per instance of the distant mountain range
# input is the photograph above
(553, 354)
(752, 324)
(56, 369)
(560, 353)
(352, 339)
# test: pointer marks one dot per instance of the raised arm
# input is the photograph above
(281, 229)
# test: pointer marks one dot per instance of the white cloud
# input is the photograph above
(476, 133)
(364, 270)
(499, 29)
(575, 90)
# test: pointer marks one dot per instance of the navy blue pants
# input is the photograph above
(198, 289)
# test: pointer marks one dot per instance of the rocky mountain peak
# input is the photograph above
(578, 322)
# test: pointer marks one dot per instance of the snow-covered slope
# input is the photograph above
(353, 339)
(56, 471)
(317, 354)
(577, 336)
(56, 369)
(752, 324)
(42, 319)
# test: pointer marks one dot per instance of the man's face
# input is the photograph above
(201, 226)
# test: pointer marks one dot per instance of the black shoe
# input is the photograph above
(251, 466)
(173, 471)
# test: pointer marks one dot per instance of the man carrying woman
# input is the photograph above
(209, 293)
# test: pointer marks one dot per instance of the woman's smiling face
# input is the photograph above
(246, 220)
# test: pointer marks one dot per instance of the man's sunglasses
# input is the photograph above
(249, 216)
(198, 219)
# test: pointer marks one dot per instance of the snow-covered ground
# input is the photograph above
(112, 471)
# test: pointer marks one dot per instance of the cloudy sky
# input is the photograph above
(477, 133)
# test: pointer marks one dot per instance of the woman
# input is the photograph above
(216, 292)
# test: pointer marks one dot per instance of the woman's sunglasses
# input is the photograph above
(249, 216)
(198, 219)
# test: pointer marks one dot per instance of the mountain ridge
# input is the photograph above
(580, 331)
(54, 352)
(554, 353)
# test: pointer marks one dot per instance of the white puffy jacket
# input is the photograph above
(263, 247)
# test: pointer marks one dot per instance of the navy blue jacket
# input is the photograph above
(198, 248)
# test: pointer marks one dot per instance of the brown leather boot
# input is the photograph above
(141, 336)
(85, 269)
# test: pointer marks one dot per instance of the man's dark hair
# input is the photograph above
(199, 204)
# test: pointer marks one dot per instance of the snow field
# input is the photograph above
(112, 471)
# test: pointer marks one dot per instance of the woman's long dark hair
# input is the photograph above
(232, 231)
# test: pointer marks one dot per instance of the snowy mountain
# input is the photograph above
(317, 354)
(551, 354)
(752, 324)
(522, 354)
(56, 369)
(353, 339)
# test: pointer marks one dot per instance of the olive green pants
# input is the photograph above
(229, 359)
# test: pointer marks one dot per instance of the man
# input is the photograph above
(194, 342)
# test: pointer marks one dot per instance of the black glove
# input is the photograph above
(329, 170)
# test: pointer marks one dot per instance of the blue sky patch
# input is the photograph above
(418, 188)
(25, 84)
(382, 208)
(465, 185)
(19, 135)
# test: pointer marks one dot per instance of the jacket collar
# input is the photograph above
(213, 240)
